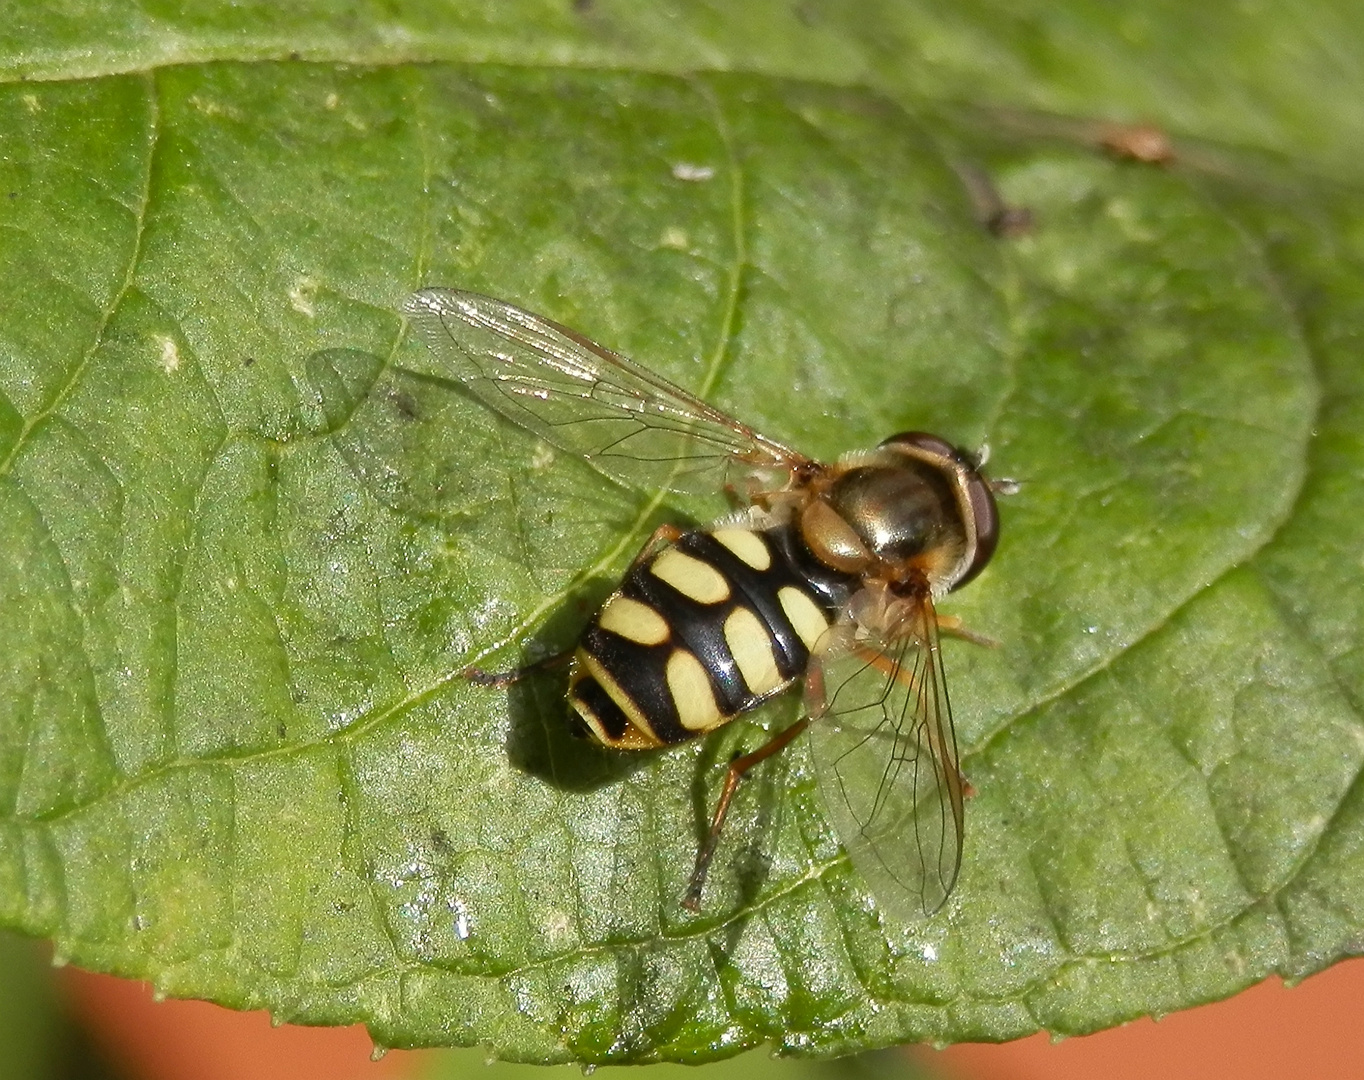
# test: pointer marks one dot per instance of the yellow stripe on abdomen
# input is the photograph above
(806, 618)
(640, 733)
(746, 545)
(693, 578)
(689, 685)
(634, 621)
(751, 646)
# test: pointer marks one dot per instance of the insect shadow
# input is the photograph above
(542, 739)
(545, 739)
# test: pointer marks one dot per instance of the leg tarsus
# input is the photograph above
(952, 627)
(500, 680)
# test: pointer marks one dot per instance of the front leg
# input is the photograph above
(952, 627)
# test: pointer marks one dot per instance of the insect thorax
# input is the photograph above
(701, 631)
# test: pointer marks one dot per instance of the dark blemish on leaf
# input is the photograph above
(1010, 222)
(540, 738)
(405, 404)
(248, 361)
(583, 7)
(282, 731)
(440, 842)
(999, 217)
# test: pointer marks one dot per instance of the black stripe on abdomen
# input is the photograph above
(602, 706)
(641, 673)
(697, 627)
(758, 589)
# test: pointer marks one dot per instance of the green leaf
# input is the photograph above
(250, 549)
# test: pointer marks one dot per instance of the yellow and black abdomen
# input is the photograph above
(706, 628)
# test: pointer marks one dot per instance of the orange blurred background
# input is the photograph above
(1266, 1033)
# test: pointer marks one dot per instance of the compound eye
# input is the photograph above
(925, 443)
(986, 516)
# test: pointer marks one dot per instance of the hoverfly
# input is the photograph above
(827, 576)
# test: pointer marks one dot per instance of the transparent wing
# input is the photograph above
(886, 754)
(629, 423)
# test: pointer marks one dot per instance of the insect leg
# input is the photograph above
(500, 680)
(813, 693)
(691, 900)
(663, 535)
(952, 626)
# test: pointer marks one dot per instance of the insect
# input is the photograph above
(827, 576)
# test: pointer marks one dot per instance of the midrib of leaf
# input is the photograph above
(630, 538)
